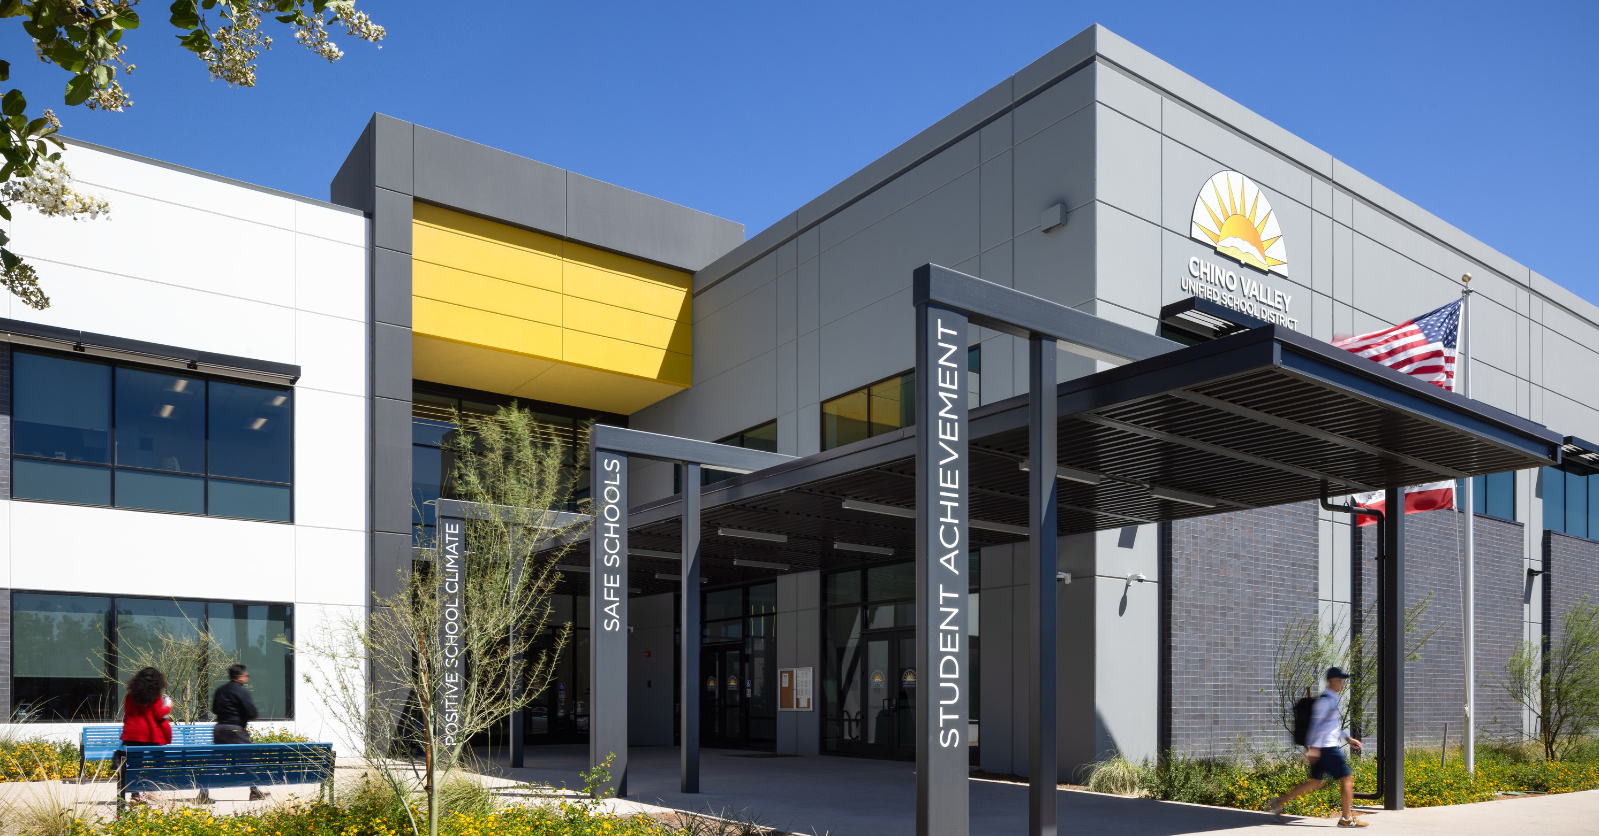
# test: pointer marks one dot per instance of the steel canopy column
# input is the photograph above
(689, 660)
(942, 584)
(608, 618)
(1041, 562)
(1391, 653)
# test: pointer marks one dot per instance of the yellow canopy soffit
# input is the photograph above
(534, 378)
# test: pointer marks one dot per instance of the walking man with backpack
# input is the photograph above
(1321, 731)
(234, 709)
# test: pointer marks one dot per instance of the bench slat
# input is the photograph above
(156, 768)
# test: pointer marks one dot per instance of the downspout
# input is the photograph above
(1382, 603)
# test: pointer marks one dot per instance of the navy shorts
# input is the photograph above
(1330, 766)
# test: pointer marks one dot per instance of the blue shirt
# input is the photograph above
(1326, 724)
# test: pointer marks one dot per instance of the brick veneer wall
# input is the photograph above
(1572, 564)
(1435, 683)
(1231, 582)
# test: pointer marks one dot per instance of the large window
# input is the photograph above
(869, 608)
(1493, 495)
(886, 405)
(738, 647)
(1571, 503)
(93, 432)
(66, 662)
(763, 437)
(431, 423)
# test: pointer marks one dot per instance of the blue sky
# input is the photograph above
(1484, 114)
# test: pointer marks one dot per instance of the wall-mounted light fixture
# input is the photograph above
(1183, 496)
(753, 535)
(858, 547)
(1069, 474)
(1052, 218)
(761, 564)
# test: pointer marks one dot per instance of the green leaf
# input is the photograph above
(5, 212)
(127, 19)
(13, 104)
(9, 259)
(36, 126)
(102, 75)
(287, 18)
(79, 89)
(196, 41)
(5, 70)
(185, 15)
(10, 8)
(44, 14)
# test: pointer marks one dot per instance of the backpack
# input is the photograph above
(1302, 711)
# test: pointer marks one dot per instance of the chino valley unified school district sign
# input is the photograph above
(1234, 217)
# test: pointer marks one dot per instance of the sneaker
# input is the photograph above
(1276, 808)
(257, 795)
(1352, 823)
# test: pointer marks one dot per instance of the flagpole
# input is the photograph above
(1469, 626)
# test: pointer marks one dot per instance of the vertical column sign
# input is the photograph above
(942, 471)
(607, 700)
(451, 573)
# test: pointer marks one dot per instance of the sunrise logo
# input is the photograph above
(1234, 216)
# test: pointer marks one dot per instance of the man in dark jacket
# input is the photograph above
(234, 709)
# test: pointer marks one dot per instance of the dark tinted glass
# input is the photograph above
(1593, 506)
(61, 482)
(249, 432)
(763, 599)
(248, 500)
(763, 437)
(160, 421)
(893, 404)
(59, 657)
(62, 408)
(1576, 505)
(844, 420)
(431, 433)
(728, 603)
(426, 478)
(1554, 499)
(160, 492)
(1502, 495)
(841, 588)
(144, 625)
(256, 632)
(897, 581)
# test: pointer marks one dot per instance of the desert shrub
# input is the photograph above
(37, 759)
(1115, 775)
(276, 734)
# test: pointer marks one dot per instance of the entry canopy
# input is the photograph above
(1251, 420)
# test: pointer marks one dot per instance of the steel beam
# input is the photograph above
(607, 702)
(673, 449)
(943, 471)
(1023, 315)
(689, 658)
(1391, 654)
(1042, 760)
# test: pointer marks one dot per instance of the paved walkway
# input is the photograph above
(855, 797)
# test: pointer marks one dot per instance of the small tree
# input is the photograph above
(380, 676)
(1306, 648)
(1559, 685)
(193, 661)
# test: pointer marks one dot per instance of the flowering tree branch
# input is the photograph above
(85, 38)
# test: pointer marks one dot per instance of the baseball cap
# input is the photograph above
(1336, 672)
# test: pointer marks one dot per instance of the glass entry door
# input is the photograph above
(889, 716)
(723, 724)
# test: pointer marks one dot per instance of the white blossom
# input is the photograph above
(49, 191)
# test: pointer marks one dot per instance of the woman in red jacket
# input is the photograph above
(144, 712)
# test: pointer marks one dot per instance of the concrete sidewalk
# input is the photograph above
(855, 797)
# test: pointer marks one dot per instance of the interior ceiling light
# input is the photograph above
(761, 564)
(857, 547)
(663, 576)
(1072, 475)
(165, 411)
(1184, 497)
(654, 553)
(753, 535)
(258, 423)
(910, 514)
(1207, 320)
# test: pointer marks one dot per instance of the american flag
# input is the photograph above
(1425, 347)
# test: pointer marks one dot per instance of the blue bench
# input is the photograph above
(102, 743)
(161, 768)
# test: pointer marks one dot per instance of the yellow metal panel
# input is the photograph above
(593, 389)
(473, 367)
(491, 330)
(464, 252)
(510, 236)
(472, 290)
(632, 326)
(627, 358)
(579, 254)
(588, 282)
